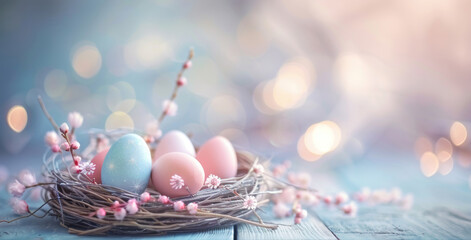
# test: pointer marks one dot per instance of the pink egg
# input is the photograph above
(218, 157)
(174, 141)
(98, 161)
(183, 165)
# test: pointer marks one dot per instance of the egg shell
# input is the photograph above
(218, 157)
(127, 164)
(181, 164)
(174, 141)
(98, 161)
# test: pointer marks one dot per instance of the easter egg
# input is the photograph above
(170, 168)
(127, 164)
(98, 161)
(174, 141)
(218, 157)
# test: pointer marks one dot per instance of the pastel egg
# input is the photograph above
(127, 164)
(181, 164)
(218, 157)
(98, 161)
(174, 141)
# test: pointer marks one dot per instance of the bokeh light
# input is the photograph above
(446, 167)
(423, 144)
(304, 153)
(121, 96)
(443, 149)
(55, 83)
(17, 118)
(429, 164)
(147, 52)
(458, 133)
(86, 61)
(119, 120)
(323, 137)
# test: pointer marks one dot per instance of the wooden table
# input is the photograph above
(442, 208)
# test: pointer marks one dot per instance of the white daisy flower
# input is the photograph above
(88, 168)
(250, 202)
(177, 182)
(213, 181)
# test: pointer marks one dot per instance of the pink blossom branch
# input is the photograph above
(185, 66)
(48, 116)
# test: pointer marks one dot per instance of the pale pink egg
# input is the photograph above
(218, 157)
(174, 141)
(189, 172)
(98, 161)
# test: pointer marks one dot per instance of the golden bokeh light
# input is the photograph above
(86, 61)
(446, 167)
(423, 144)
(121, 96)
(17, 118)
(323, 137)
(119, 120)
(55, 83)
(458, 133)
(304, 153)
(429, 164)
(443, 148)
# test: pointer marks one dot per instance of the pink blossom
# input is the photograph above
(75, 119)
(281, 210)
(287, 163)
(3, 174)
(288, 195)
(131, 206)
(350, 208)
(65, 146)
(164, 199)
(152, 129)
(297, 220)
(187, 64)
(170, 107)
(258, 169)
(363, 195)
(27, 178)
(16, 188)
(181, 81)
(77, 160)
(327, 199)
(75, 145)
(115, 205)
(396, 195)
(87, 168)
(341, 197)
(178, 206)
(75, 169)
(145, 197)
(55, 148)
(101, 213)
(64, 128)
(302, 214)
(250, 202)
(304, 179)
(19, 206)
(192, 208)
(51, 138)
(213, 181)
(119, 213)
(279, 170)
(177, 182)
(306, 197)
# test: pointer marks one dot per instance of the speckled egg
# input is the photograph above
(174, 141)
(127, 164)
(218, 157)
(181, 164)
(98, 161)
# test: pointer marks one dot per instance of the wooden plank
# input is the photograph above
(49, 228)
(310, 228)
(428, 219)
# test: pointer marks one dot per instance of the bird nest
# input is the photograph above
(74, 199)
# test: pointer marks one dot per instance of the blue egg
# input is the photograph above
(128, 164)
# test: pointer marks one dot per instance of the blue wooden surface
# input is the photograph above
(442, 208)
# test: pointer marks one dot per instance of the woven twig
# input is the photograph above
(74, 199)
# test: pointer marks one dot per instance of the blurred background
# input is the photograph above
(320, 83)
